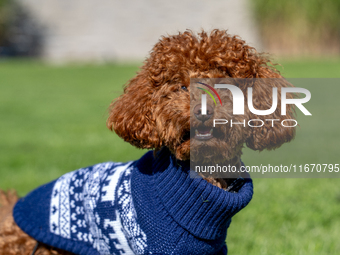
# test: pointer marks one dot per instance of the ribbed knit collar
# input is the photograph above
(199, 207)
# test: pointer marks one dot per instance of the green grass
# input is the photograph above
(310, 68)
(297, 216)
(53, 121)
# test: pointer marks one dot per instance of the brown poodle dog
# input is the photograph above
(160, 109)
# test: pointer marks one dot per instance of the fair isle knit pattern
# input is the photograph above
(149, 206)
(74, 202)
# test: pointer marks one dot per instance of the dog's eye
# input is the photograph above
(184, 88)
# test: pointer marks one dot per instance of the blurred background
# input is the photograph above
(88, 31)
(63, 62)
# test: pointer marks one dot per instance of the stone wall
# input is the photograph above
(114, 30)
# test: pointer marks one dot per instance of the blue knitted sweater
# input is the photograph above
(148, 206)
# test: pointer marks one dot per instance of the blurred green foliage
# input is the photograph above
(3, 2)
(2, 21)
(303, 23)
(5, 6)
(318, 13)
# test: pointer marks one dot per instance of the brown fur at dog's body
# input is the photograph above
(13, 241)
(154, 110)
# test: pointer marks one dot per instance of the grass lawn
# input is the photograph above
(53, 121)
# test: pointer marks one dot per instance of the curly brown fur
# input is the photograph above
(13, 241)
(154, 110)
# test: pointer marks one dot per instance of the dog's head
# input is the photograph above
(154, 110)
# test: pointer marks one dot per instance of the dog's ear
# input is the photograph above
(131, 115)
(272, 134)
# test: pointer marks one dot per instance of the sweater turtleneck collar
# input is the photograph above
(199, 207)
